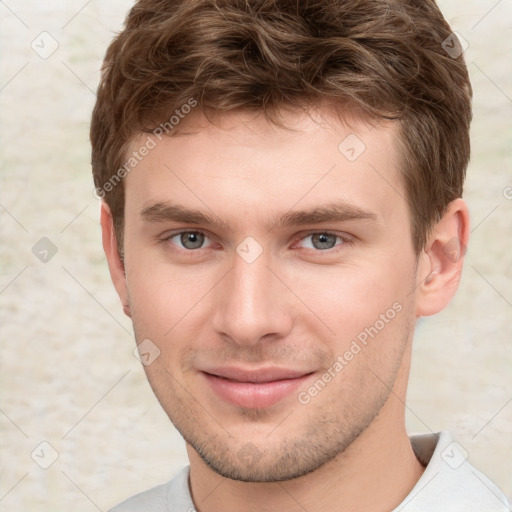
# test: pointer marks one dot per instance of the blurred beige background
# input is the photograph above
(68, 375)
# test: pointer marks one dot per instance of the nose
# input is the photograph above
(252, 304)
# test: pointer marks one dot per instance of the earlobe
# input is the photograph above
(440, 264)
(115, 264)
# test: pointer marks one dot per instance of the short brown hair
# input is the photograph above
(387, 59)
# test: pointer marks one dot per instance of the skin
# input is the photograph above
(299, 305)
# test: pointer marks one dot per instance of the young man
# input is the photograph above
(281, 186)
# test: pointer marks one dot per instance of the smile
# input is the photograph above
(254, 390)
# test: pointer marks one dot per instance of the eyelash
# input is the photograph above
(345, 240)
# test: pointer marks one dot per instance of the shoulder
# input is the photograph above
(173, 496)
(450, 482)
(154, 500)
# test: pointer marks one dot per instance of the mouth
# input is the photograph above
(257, 388)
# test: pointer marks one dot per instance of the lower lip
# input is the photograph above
(254, 395)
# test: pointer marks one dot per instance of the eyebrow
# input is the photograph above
(333, 212)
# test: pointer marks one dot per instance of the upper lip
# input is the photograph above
(256, 375)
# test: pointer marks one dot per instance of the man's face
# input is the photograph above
(256, 314)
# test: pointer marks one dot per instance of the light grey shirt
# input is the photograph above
(448, 484)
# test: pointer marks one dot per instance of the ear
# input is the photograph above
(440, 263)
(115, 263)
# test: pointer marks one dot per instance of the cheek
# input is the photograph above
(164, 297)
(349, 299)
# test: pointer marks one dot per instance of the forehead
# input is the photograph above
(242, 162)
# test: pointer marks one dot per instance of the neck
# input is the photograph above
(374, 474)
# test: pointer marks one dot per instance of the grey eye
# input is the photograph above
(323, 240)
(191, 239)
